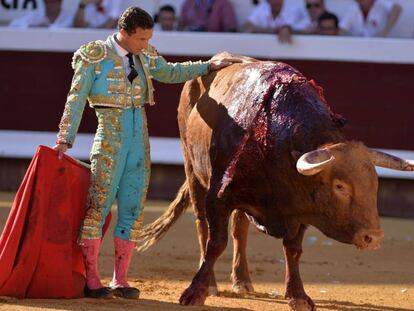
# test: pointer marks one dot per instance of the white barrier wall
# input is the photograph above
(370, 50)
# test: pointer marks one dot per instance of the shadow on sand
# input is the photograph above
(320, 304)
(103, 304)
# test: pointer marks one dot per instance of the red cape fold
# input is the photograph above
(39, 254)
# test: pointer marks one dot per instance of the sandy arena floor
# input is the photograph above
(337, 276)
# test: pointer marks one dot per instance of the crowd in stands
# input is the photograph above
(365, 18)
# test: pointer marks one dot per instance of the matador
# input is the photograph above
(114, 76)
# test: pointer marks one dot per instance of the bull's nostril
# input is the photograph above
(368, 239)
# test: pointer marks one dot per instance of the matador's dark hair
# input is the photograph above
(133, 18)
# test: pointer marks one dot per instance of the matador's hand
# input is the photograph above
(61, 149)
(216, 64)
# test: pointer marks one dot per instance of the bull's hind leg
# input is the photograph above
(218, 214)
(299, 300)
(240, 271)
(198, 199)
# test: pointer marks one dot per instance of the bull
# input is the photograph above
(261, 145)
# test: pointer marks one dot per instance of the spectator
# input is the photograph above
(208, 15)
(165, 19)
(274, 16)
(328, 24)
(54, 14)
(99, 13)
(371, 18)
(309, 21)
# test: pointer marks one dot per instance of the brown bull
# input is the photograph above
(259, 140)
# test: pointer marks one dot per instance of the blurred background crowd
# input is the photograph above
(285, 18)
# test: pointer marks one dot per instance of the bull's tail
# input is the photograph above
(154, 232)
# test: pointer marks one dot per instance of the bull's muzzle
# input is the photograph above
(368, 239)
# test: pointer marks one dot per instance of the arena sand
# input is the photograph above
(337, 276)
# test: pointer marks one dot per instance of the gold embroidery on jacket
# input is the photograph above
(70, 112)
(98, 68)
(152, 54)
(92, 52)
(118, 63)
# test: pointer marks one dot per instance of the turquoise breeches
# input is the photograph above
(120, 167)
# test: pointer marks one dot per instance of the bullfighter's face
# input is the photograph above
(136, 41)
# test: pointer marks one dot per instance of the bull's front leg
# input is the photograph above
(240, 271)
(298, 299)
(218, 215)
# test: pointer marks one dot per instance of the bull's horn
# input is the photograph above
(386, 160)
(313, 162)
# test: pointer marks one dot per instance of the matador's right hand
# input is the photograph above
(61, 149)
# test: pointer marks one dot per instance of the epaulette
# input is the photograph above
(92, 52)
(151, 52)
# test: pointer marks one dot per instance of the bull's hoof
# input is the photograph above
(194, 296)
(302, 305)
(242, 288)
(212, 291)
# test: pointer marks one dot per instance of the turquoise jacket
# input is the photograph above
(101, 80)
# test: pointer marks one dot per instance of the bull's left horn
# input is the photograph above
(313, 162)
(386, 160)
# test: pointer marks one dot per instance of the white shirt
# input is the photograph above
(377, 19)
(35, 18)
(121, 53)
(305, 22)
(262, 16)
(38, 18)
(112, 9)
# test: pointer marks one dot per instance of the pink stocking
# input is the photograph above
(90, 250)
(123, 255)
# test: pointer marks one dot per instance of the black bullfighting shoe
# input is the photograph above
(103, 292)
(126, 292)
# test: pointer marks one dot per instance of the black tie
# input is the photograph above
(133, 74)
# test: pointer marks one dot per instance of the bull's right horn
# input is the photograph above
(313, 162)
(386, 160)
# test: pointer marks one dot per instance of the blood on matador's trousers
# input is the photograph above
(120, 167)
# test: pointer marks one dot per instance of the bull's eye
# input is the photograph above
(341, 188)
